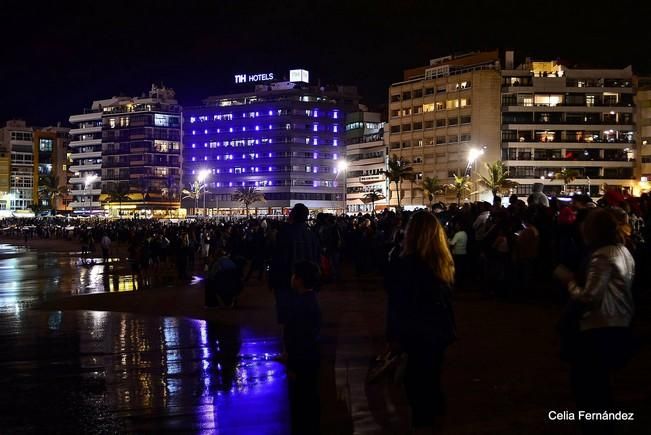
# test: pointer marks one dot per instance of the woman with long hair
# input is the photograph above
(420, 320)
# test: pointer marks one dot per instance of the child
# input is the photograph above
(301, 336)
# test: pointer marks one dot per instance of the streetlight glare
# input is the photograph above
(342, 165)
(203, 174)
(474, 153)
(90, 179)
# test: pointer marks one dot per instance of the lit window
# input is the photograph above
(205, 157)
(334, 128)
(308, 169)
(205, 131)
(428, 107)
(192, 119)
(316, 141)
(194, 159)
(257, 128)
(230, 130)
(315, 127)
(243, 128)
(335, 142)
(205, 144)
(335, 114)
(194, 132)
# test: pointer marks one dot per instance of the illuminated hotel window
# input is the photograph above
(335, 142)
(315, 127)
(428, 107)
(335, 114)
(192, 119)
(334, 129)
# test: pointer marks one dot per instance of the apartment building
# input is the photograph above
(578, 120)
(51, 159)
(131, 146)
(16, 166)
(366, 158)
(439, 113)
(643, 122)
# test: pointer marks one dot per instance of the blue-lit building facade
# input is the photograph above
(284, 138)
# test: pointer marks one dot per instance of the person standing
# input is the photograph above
(459, 245)
(301, 338)
(295, 242)
(604, 340)
(105, 243)
(420, 319)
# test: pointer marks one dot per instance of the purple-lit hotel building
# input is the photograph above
(283, 137)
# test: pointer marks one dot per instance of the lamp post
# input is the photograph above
(342, 166)
(473, 155)
(88, 181)
(201, 180)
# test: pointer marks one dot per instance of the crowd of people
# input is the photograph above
(588, 255)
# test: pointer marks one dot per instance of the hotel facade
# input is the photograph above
(284, 138)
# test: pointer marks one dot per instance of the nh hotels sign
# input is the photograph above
(295, 75)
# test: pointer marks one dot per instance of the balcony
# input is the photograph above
(79, 143)
(89, 167)
(91, 116)
(85, 130)
(86, 155)
(571, 163)
(86, 205)
(86, 192)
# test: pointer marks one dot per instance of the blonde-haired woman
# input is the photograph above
(420, 320)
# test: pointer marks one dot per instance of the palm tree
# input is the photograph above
(397, 171)
(248, 196)
(372, 197)
(49, 190)
(431, 186)
(497, 180)
(118, 193)
(193, 193)
(460, 187)
(567, 175)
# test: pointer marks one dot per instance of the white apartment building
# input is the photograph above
(557, 118)
(366, 157)
(86, 155)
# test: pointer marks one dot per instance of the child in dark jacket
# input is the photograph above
(301, 337)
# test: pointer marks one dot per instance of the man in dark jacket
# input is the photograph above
(295, 242)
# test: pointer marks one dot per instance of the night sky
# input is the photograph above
(56, 57)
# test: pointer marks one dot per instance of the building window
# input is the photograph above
(406, 127)
(418, 125)
(429, 91)
(428, 107)
(440, 140)
(45, 145)
(395, 113)
(406, 95)
(418, 93)
(440, 123)
(453, 121)
(395, 98)
(465, 119)
(453, 138)
(465, 138)
(429, 124)
(395, 129)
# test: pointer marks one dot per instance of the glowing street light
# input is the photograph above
(88, 181)
(201, 180)
(342, 166)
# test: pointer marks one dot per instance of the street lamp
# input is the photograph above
(201, 179)
(89, 180)
(473, 155)
(342, 166)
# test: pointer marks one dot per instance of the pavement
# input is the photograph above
(86, 355)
